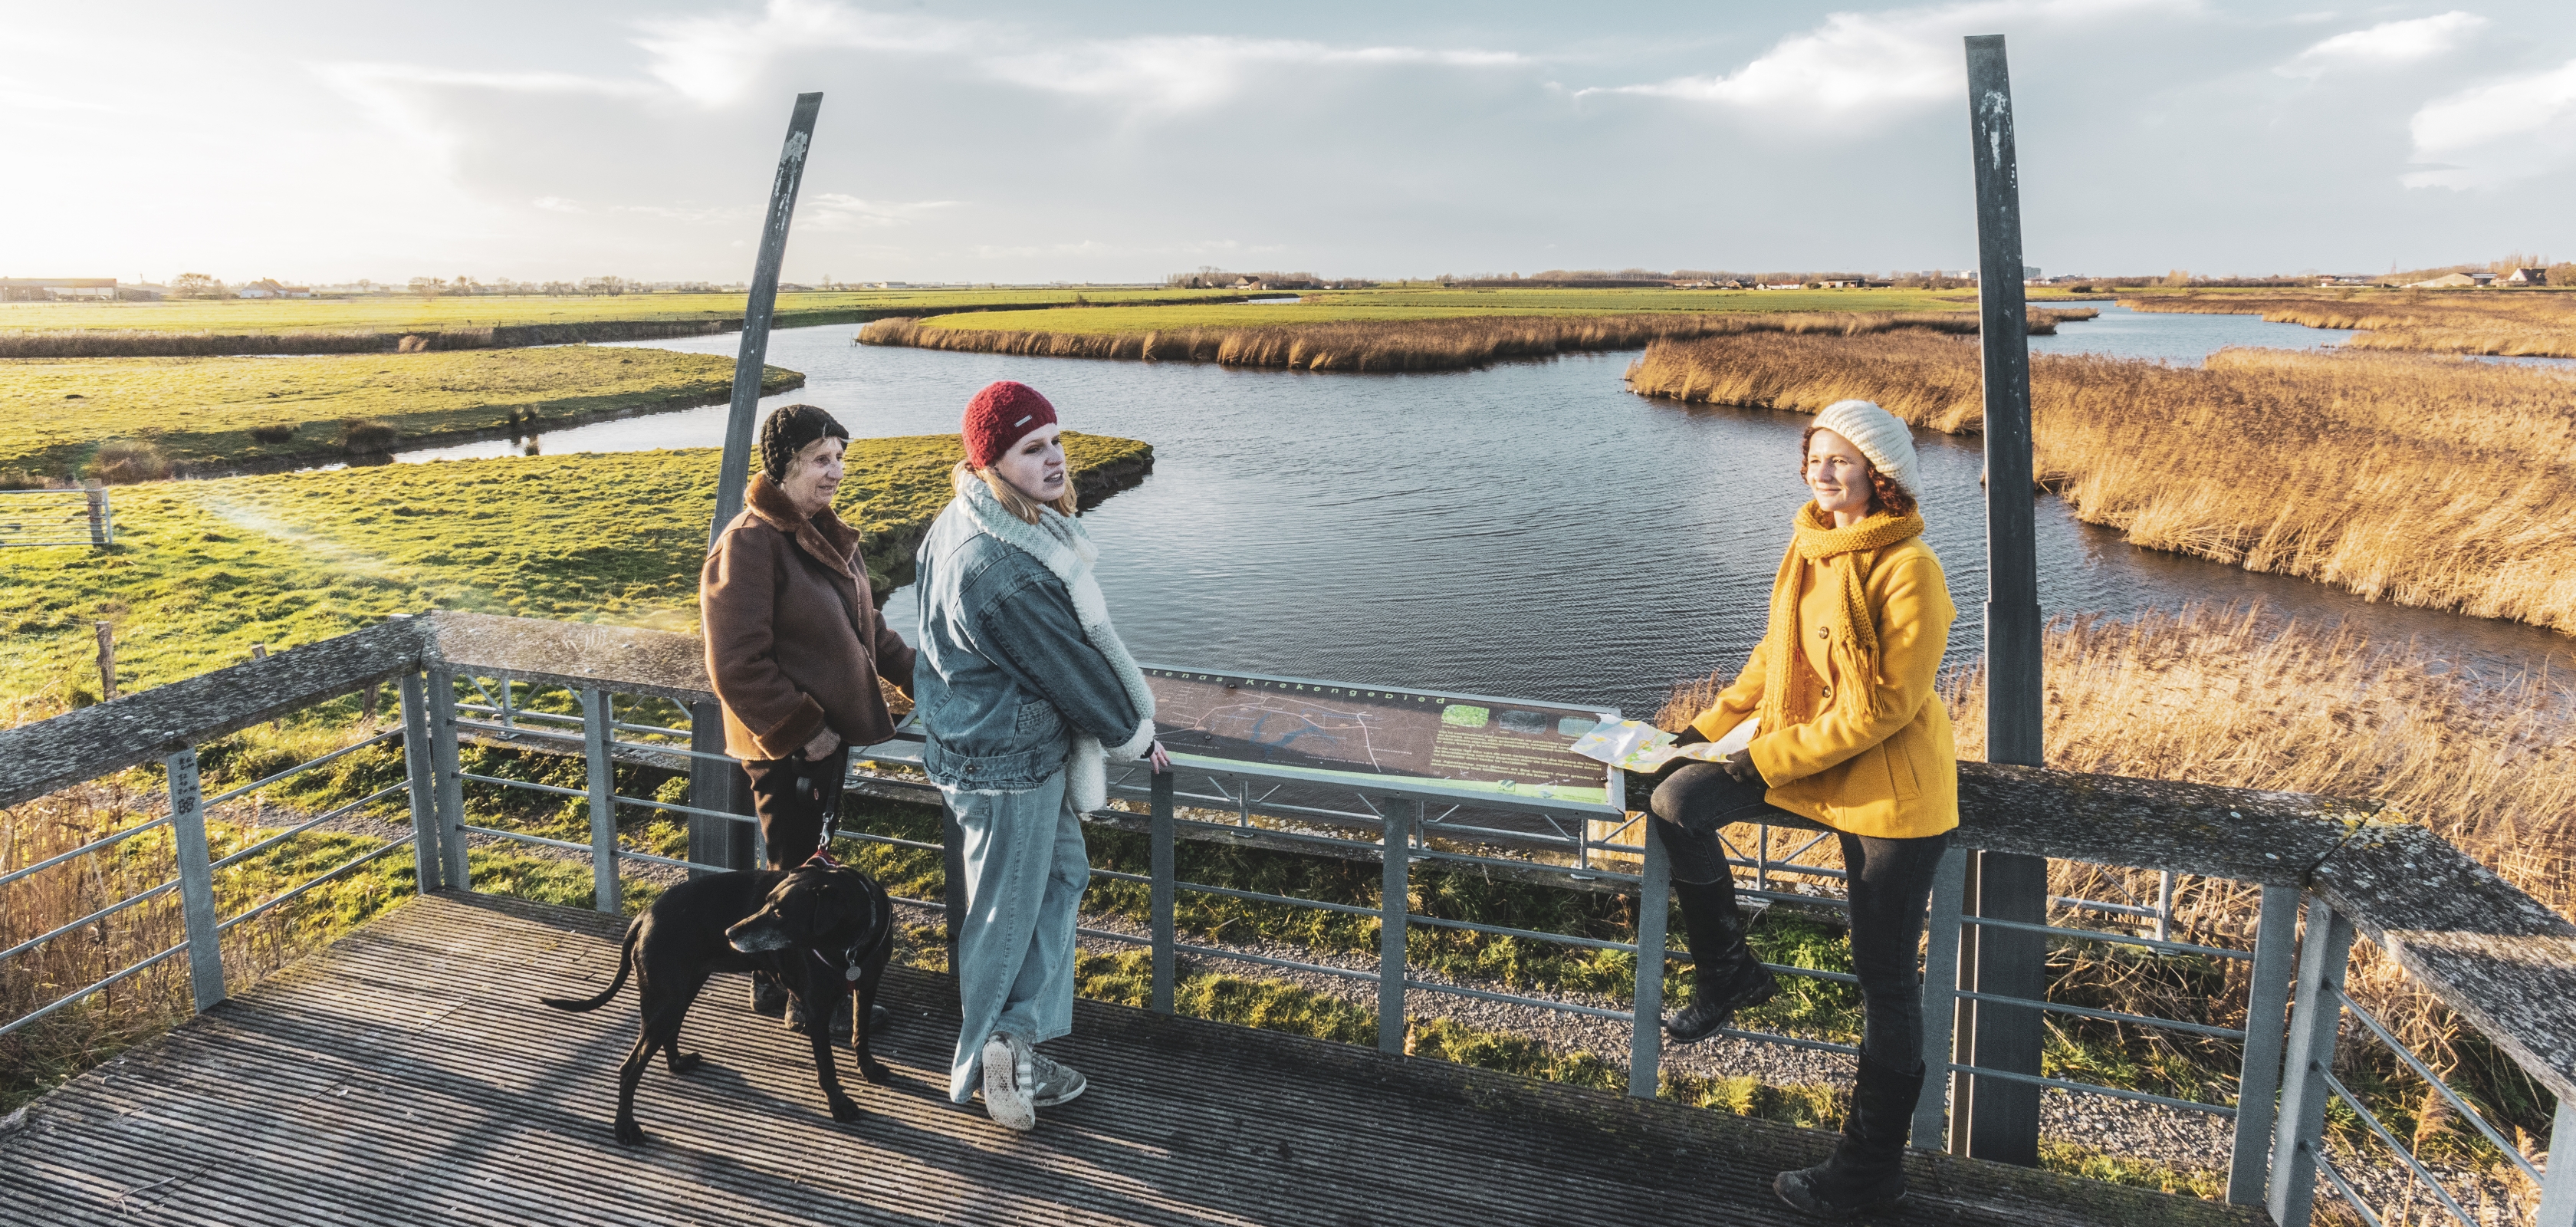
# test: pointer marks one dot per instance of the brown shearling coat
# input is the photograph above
(794, 639)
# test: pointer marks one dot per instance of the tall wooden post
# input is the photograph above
(717, 785)
(106, 662)
(756, 312)
(2000, 1117)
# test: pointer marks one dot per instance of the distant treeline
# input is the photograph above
(1210, 277)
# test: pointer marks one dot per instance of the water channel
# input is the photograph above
(1530, 529)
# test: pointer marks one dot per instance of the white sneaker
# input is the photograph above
(1053, 1082)
(1008, 1075)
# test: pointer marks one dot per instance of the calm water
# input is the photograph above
(1532, 529)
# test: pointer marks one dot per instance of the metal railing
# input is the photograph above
(57, 517)
(2327, 874)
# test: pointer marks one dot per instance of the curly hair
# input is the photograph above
(1884, 494)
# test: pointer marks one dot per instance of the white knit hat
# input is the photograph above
(1878, 434)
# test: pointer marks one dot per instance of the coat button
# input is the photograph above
(1829, 692)
(1824, 632)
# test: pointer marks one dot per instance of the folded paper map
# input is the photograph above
(1634, 745)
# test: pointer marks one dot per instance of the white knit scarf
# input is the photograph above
(1060, 544)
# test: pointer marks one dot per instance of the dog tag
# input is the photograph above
(851, 975)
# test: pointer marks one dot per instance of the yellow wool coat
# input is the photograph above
(1893, 776)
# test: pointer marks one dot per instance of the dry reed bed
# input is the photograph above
(2421, 480)
(1418, 345)
(2520, 323)
(2237, 698)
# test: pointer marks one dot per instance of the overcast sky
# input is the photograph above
(551, 139)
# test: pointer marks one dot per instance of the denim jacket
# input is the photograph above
(1005, 677)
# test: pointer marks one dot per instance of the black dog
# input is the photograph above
(818, 929)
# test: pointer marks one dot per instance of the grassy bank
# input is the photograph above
(1369, 337)
(355, 325)
(2422, 480)
(203, 570)
(2525, 323)
(162, 414)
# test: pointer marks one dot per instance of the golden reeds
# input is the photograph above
(2421, 480)
(2511, 322)
(1416, 345)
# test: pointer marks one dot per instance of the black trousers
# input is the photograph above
(796, 801)
(1890, 888)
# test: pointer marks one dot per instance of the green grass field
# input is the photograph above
(56, 412)
(400, 314)
(1390, 306)
(201, 570)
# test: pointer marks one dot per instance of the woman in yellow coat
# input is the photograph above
(1850, 735)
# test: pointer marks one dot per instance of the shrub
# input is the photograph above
(359, 435)
(128, 460)
(276, 432)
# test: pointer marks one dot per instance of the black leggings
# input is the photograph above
(1890, 888)
(796, 801)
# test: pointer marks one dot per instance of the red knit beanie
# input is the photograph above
(1000, 416)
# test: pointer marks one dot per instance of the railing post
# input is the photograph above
(1940, 996)
(420, 767)
(100, 534)
(1166, 959)
(196, 880)
(1394, 907)
(720, 787)
(457, 873)
(603, 807)
(2558, 1181)
(1646, 1024)
(2291, 1195)
(2267, 1011)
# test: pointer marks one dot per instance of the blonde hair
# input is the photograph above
(1012, 500)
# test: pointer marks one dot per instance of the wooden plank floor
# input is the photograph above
(408, 1075)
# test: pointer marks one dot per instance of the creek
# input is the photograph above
(1531, 529)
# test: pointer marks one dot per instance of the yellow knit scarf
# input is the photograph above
(1849, 553)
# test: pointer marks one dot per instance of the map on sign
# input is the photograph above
(1345, 733)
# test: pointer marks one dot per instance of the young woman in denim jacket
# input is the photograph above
(1024, 691)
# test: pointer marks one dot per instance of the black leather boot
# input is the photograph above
(1726, 977)
(1866, 1173)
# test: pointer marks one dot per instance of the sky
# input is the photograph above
(1120, 142)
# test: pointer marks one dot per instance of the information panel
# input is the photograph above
(1342, 733)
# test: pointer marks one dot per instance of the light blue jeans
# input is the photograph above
(1026, 868)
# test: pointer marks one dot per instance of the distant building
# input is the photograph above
(2527, 276)
(2452, 281)
(50, 289)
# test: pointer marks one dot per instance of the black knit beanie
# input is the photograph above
(786, 433)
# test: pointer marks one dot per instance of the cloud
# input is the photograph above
(2387, 44)
(1173, 73)
(841, 211)
(557, 204)
(2491, 135)
(1863, 66)
(716, 60)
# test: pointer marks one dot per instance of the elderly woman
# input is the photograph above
(1850, 734)
(1025, 691)
(795, 644)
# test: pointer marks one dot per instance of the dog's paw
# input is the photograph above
(877, 1072)
(846, 1110)
(630, 1133)
(683, 1062)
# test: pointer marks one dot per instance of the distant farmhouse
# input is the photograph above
(268, 287)
(2527, 276)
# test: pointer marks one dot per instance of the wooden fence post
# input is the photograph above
(106, 661)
